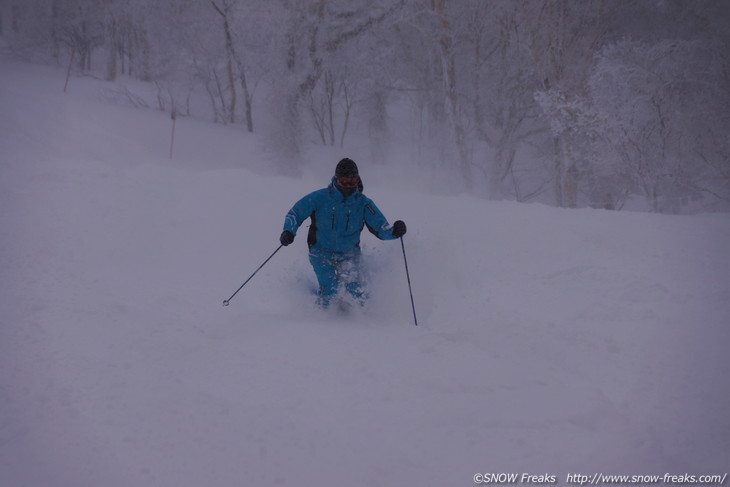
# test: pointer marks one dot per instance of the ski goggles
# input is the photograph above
(348, 181)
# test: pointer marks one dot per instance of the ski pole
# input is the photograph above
(408, 276)
(226, 302)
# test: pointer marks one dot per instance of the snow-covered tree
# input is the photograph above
(560, 39)
(657, 106)
(314, 33)
(595, 99)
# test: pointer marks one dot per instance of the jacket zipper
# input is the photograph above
(347, 223)
(333, 218)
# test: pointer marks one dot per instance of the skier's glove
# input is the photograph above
(399, 229)
(286, 238)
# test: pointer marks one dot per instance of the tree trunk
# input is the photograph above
(570, 187)
(378, 127)
(558, 171)
(231, 53)
(111, 66)
(451, 102)
(247, 97)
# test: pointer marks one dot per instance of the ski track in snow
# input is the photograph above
(550, 341)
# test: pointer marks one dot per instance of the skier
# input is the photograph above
(338, 214)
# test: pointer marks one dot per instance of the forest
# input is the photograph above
(573, 103)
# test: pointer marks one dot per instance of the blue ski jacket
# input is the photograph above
(337, 220)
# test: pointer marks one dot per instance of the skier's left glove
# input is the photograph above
(399, 229)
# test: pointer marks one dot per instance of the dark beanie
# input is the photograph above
(346, 167)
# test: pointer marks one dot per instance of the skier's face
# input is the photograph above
(348, 181)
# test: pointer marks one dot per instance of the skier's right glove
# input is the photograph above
(286, 238)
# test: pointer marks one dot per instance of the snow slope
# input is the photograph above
(550, 341)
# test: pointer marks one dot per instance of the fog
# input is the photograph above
(616, 105)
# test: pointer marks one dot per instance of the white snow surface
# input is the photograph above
(549, 340)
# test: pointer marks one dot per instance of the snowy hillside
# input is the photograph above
(549, 341)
